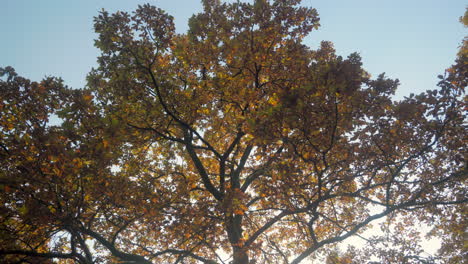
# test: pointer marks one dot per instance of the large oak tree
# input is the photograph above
(232, 140)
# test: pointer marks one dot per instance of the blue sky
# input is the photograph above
(413, 40)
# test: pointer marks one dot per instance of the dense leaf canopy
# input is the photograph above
(234, 142)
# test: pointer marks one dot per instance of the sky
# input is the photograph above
(412, 40)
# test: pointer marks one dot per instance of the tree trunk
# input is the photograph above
(240, 256)
(234, 230)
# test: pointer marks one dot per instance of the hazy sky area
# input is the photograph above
(413, 40)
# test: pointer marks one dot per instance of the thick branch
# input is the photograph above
(114, 251)
(201, 169)
(266, 226)
(236, 173)
(178, 120)
(252, 177)
(48, 255)
(183, 252)
(222, 162)
(332, 240)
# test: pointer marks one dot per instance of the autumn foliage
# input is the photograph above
(234, 142)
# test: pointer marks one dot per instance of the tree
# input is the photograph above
(234, 139)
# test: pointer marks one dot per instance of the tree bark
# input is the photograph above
(234, 230)
(240, 256)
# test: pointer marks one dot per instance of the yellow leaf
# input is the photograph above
(273, 101)
(52, 209)
(239, 212)
(57, 171)
(88, 97)
(10, 126)
(23, 209)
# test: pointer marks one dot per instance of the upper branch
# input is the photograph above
(201, 169)
(114, 251)
(48, 255)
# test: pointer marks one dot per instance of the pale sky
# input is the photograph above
(412, 40)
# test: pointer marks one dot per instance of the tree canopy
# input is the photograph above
(232, 143)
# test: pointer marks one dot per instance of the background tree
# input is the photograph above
(233, 139)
